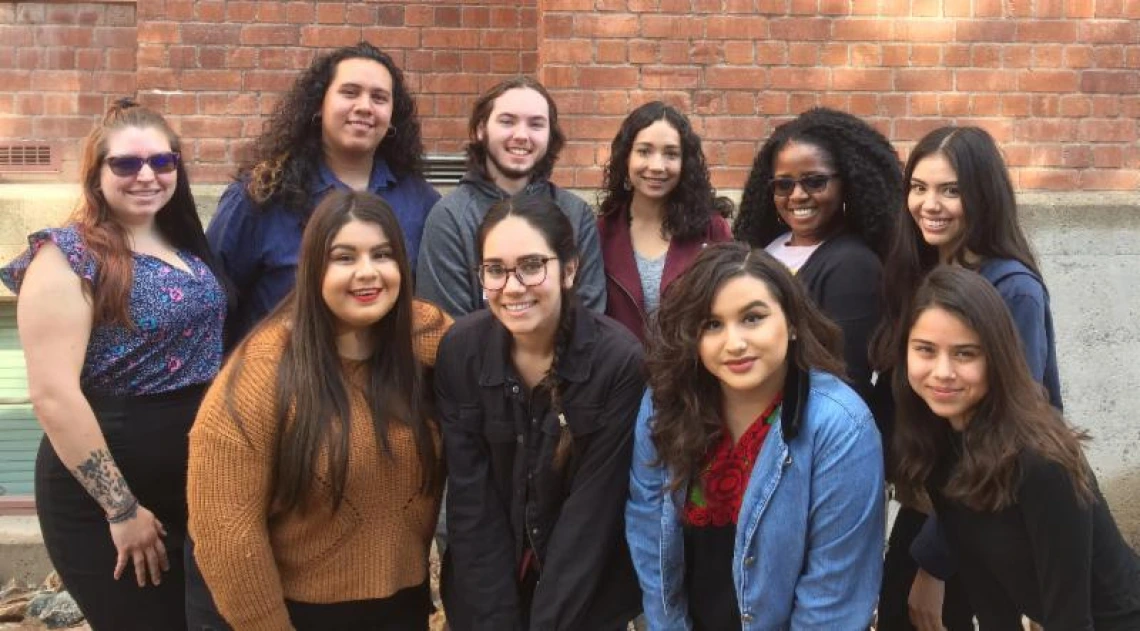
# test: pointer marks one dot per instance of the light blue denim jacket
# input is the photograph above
(809, 538)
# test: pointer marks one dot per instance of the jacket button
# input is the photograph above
(748, 561)
(746, 617)
(514, 389)
(534, 531)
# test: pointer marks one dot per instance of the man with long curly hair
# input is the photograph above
(348, 122)
(514, 142)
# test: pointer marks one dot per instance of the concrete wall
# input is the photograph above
(1089, 246)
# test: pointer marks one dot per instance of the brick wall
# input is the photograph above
(1056, 81)
(60, 66)
(229, 61)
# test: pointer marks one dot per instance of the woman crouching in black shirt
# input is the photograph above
(1006, 474)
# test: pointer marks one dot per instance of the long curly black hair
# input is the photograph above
(285, 156)
(691, 204)
(863, 158)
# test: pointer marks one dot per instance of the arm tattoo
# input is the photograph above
(101, 477)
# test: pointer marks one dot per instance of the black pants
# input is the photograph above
(899, 570)
(406, 610)
(147, 436)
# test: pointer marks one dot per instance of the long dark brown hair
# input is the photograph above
(1013, 416)
(686, 397)
(481, 113)
(311, 398)
(542, 213)
(286, 154)
(991, 229)
(692, 204)
(106, 239)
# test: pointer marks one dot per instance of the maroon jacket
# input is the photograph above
(624, 300)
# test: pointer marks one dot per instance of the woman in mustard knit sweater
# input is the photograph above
(315, 470)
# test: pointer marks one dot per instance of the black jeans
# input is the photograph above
(147, 436)
(406, 610)
(899, 570)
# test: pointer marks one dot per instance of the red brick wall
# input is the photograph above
(1056, 81)
(230, 60)
(60, 66)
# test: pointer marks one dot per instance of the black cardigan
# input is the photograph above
(1064, 565)
(844, 278)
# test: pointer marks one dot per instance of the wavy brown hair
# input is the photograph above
(481, 113)
(288, 151)
(691, 205)
(686, 398)
(1013, 416)
(311, 394)
(106, 239)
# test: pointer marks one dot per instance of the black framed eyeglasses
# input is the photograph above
(125, 166)
(812, 184)
(530, 271)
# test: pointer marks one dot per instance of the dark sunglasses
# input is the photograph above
(124, 166)
(812, 184)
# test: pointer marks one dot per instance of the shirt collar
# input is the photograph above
(573, 367)
(381, 177)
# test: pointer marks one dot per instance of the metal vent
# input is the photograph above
(28, 157)
(445, 168)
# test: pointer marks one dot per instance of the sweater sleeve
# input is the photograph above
(1060, 533)
(228, 490)
(591, 276)
(849, 294)
(444, 270)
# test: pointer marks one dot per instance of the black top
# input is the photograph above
(1062, 564)
(709, 588)
(844, 278)
(504, 496)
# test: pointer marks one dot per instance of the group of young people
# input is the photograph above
(639, 412)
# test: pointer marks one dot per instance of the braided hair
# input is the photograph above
(542, 213)
(864, 160)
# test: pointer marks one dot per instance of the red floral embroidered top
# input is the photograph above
(715, 496)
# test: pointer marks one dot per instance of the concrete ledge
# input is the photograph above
(22, 553)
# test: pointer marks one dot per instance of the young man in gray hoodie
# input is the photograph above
(514, 142)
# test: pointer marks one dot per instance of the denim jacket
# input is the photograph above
(809, 538)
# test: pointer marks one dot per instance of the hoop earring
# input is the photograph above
(391, 133)
(626, 185)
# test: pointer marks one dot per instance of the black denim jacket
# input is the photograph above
(504, 495)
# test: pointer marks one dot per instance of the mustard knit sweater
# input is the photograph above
(376, 544)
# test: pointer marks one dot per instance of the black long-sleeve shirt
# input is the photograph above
(1047, 556)
(505, 499)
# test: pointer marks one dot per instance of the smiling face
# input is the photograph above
(655, 162)
(136, 199)
(935, 205)
(516, 135)
(362, 279)
(946, 366)
(811, 217)
(744, 341)
(357, 110)
(525, 311)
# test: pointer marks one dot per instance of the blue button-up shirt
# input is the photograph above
(258, 247)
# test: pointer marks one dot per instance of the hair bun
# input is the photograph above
(125, 103)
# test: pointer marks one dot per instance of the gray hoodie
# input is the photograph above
(445, 271)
